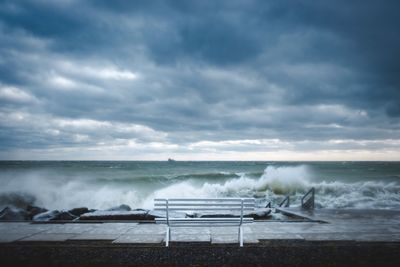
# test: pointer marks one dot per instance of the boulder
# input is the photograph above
(10, 214)
(122, 207)
(46, 216)
(192, 215)
(54, 215)
(65, 216)
(33, 210)
(101, 215)
(79, 211)
(259, 214)
(152, 214)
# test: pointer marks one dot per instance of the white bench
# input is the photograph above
(237, 205)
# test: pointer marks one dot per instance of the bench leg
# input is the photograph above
(167, 237)
(241, 236)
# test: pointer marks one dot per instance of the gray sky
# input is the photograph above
(200, 80)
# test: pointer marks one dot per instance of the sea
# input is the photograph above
(106, 184)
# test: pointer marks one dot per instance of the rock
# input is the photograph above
(9, 214)
(79, 211)
(122, 207)
(46, 216)
(33, 210)
(54, 215)
(65, 216)
(116, 215)
(259, 214)
(192, 215)
(263, 213)
(152, 214)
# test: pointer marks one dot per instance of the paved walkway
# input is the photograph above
(368, 226)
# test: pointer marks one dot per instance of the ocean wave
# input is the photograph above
(43, 189)
(277, 182)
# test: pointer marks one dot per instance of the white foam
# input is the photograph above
(276, 182)
(61, 193)
(283, 179)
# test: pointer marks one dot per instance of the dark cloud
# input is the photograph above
(196, 71)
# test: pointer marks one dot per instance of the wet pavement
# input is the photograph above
(324, 225)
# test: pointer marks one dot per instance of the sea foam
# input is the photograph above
(56, 191)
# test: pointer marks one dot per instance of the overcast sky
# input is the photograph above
(200, 80)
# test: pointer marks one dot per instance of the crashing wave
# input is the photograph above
(273, 184)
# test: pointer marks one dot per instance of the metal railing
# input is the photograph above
(308, 200)
(285, 202)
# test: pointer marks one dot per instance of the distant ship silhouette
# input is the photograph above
(171, 160)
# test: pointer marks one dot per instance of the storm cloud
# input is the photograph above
(237, 80)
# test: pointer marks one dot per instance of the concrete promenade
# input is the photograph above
(333, 238)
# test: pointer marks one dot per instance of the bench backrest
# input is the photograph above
(204, 204)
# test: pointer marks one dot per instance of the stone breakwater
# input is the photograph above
(122, 212)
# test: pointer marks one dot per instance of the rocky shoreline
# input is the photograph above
(122, 212)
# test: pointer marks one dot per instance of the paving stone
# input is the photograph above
(114, 227)
(224, 230)
(121, 226)
(26, 229)
(7, 227)
(378, 237)
(139, 239)
(232, 239)
(190, 238)
(280, 227)
(346, 229)
(142, 229)
(230, 230)
(278, 236)
(7, 238)
(87, 236)
(48, 237)
(190, 230)
(105, 230)
(70, 228)
(329, 236)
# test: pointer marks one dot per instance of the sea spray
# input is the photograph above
(65, 185)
